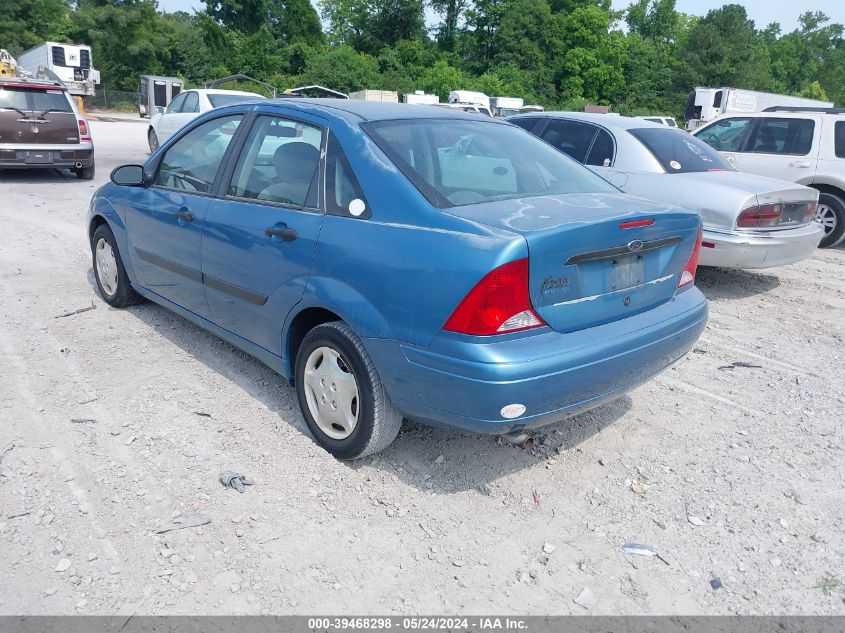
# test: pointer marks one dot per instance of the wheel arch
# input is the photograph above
(823, 187)
(304, 321)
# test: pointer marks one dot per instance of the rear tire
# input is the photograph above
(112, 280)
(86, 173)
(152, 139)
(831, 215)
(331, 364)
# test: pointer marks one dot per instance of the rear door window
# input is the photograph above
(839, 139)
(279, 163)
(191, 163)
(192, 102)
(726, 135)
(571, 137)
(783, 136)
(602, 151)
(343, 193)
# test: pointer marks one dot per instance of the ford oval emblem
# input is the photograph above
(635, 246)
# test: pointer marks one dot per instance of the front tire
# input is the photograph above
(342, 398)
(152, 139)
(831, 215)
(112, 280)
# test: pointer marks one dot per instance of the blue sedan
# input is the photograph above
(400, 261)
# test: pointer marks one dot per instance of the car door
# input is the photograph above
(164, 220)
(260, 235)
(164, 127)
(786, 148)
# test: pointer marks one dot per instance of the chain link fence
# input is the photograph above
(104, 99)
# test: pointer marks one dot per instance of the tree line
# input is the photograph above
(560, 54)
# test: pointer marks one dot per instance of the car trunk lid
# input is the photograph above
(595, 258)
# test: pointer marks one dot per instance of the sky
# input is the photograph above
(763, 12)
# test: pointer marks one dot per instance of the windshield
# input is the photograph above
(220, 100)
(454, 162)
(34, 99)
(679, 152)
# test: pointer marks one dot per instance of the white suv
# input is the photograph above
(804, 145)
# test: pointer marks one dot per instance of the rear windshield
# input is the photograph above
(33, 99)
(679, 152)
(218, 100)
(455, 163)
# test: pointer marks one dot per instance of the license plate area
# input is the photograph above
(625, 271)
(38, 158)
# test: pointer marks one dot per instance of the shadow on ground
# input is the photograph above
(468, 461)
(732, 283)
(36, 176)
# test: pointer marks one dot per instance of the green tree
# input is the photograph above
(293, 21)
(724, 49)
(241, 15)
(342, 68)
(27, 23)
(125, 38)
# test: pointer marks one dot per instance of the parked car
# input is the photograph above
(749, 221)
(803, 145)
(186, 107)
(668, 121)
(421, 263)
(40, 127)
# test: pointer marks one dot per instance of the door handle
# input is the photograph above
(184, 214)
(281, 232)
(799, 163)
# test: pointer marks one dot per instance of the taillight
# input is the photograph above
(83, 130)
(810, 211)
(499, 303)
(688, 273)
(759, 217)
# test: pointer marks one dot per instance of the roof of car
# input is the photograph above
(610, 121)
(221, 91)
(26, 82)
(377, 110)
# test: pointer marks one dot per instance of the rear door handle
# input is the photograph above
(184, 214)
(281, 232)
(799, 163)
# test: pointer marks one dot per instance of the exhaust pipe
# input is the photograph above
(520, 438)
(78, 165)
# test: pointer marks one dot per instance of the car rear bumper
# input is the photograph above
(464, 383)
(35, 157)
(760, 250)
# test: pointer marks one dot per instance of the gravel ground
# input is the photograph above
(730, 465)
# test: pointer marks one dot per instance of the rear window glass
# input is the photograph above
(840, 139)
(679, 152)
(454, 162)
(219, 100)
(34, 100)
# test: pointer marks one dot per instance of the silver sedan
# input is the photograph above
(749, 221)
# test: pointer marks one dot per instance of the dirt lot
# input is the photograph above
(729, 471)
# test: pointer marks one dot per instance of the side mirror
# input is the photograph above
(129, 176)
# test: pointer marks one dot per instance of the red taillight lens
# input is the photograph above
(759, 217)
(688, 273)
(499, 303)
(810, 211)
(83, 130)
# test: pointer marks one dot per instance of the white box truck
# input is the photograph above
(387, 96)
(418, 97)
(705, 104)
(506, 106)
(71, 63)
